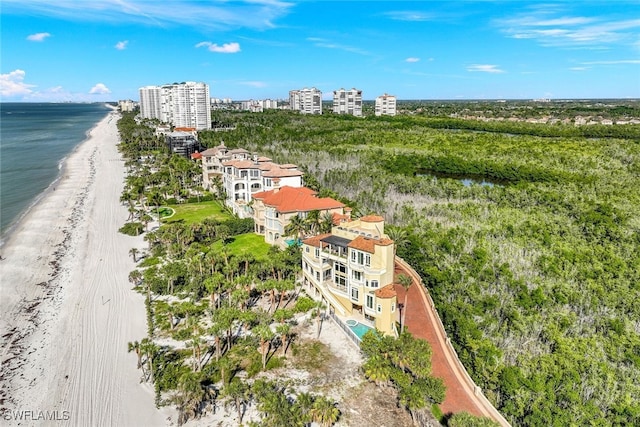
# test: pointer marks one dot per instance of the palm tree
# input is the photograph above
(398, 235)
(265, 334)
(135, 346)
(303, 406)
(405, 281)
(237, 394)
(324, 411)
(297, 227)
(284, 330)
(149, 349)
(134, 252)
(191, 396)
(135, 277)
(326, 222)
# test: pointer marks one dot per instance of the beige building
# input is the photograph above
(386, 105)
(352, 270)
(307, 101)
(347, 102)
(273, 209)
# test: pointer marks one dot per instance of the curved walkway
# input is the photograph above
(423, 321)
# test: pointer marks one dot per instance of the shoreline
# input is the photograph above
(68, 308)
(62, 164)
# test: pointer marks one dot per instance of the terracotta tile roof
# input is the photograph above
(386, 292)
(277, 172)
(196, 155)
(238, 151)
(372, 218)
(339, 219)
(241, 164)
(184, 129)
(213, 150)
(288, 166)
(368, 244)
(315, 240)
(296, 199)
(210, 152)
(264, 159)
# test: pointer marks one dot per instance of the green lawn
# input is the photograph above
(196, 212)
(249, 242)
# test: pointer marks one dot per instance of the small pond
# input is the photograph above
(465, 179)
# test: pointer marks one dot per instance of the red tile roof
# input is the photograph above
(296, 199)
(277, 172)
(386, 292)
(368, 244)
(339, 219)
(196, 155)
(315, 240)
(372, 218)
(241, 164)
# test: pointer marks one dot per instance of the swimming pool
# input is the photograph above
(358, 328)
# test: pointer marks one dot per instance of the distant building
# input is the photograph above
(182, 143)
(307, 101)
(127, 105)
(386, 105)
(212, 168)
(347, 102)
(151, 102)
(245, 175)
(182, 104)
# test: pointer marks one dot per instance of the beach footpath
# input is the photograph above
(67, 308)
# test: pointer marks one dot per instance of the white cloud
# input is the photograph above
(122, 45)
(319, 42)
(616, 62)
(484, 68)
(570, 31)
(99, 89)
(254, 84)
(225, 48)
(218, 15)
(38, 37)
(408, 15)
(12, 84)
(412, 59)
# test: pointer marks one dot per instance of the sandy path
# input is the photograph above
(68, 309)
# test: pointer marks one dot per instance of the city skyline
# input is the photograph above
(106, 50)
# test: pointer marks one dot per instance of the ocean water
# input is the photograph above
(35, 138)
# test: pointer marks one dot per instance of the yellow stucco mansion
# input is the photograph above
(352, 270)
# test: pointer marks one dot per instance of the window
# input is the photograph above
(354, 294)
(374, 284)
(357, 275)
(339, 267)
(317, 252)
(379, 308)
(369, 301)
(306, 249)
(393, 308)
(318, 276)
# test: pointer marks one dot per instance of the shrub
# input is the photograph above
(132, 229)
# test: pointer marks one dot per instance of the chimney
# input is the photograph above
(276, 185)
(347, 212)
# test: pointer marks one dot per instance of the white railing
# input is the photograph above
(347, 330)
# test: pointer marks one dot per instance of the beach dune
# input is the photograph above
(67, 306)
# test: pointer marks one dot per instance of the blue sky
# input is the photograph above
(104, 50)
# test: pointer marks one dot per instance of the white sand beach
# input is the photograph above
(67, 308)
